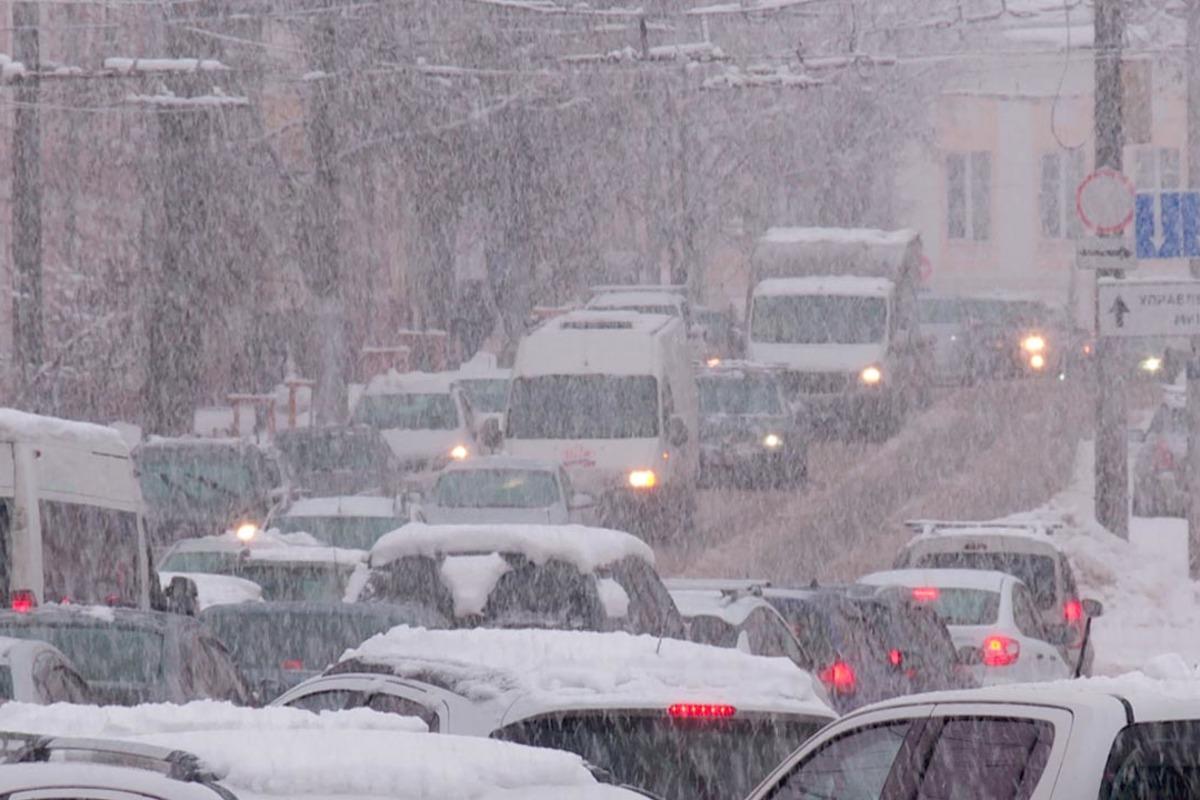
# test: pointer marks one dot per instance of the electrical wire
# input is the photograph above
(1062, 78)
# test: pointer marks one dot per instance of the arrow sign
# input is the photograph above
(1119, 310)
(1167, 224)
(1149, 308)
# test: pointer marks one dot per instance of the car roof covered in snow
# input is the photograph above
(731, 607)
(597, 342)
(847, 285)
(501, 462)
(13, 649)
(216, 590)
(20, 426)
(392, 382)
(586, 548)
(980, 579)
(344, 506)
(533, 671)
(1011, 534)
(271, 545)
(482, 366)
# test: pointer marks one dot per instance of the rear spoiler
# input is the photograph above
(929, 526)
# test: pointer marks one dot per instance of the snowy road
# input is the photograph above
(977, 453)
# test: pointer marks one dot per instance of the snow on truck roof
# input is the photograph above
(543, 670)
(586, 548)
(846, 285)
(596, 342)
(21, 426)
(980, 579)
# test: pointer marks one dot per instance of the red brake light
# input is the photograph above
(926, 594)
(1164, 459)
(291, 664)
(22, 601)
(840, 677)
(1073, 611)
(895, 657)
(1000, 651)
(700, 711)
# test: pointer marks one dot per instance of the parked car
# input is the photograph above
(35, 672)
(681, 721)
(543, 576)
(337, 460)
(749, 434)
(501, 489)
(354, 522)
(1026, 551)
(1160, 462)
(278, 645)
(727, 613)
(130, 657)
(1122, 738)
(991, 615)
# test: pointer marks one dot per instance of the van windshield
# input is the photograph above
(819, 319)
(409, 412)
(584, 407)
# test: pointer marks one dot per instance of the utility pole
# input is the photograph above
(1112, 468)
(1192, 468)
(28, 336)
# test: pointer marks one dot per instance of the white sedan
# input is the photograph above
(992, 619)
(500, 489)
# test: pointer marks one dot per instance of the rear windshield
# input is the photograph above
(1036, 572)
(496, 488)
(358, 533)
(1153, 760)
(219, 480)
(410, 412)
(698, 759)
(103, 654)
(584, 407)
(966, 606)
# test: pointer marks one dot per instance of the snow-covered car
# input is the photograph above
(354, 522)
(677, 719)
(278, 645)
(749, 434)
(337, 459)
(212, 751)
(543, 576)
(424, 419)
(1128, 737)
(35, 672)
(215, 590)
(1027, 551)
(992, 614)
(726, 613)
(129, 657)
(288, 566)
(1160, 464)
(501, 489)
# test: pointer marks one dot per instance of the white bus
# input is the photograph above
(71, 526)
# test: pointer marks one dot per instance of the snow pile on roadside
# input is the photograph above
(1151, 608)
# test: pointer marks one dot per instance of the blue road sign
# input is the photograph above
(1167, 224)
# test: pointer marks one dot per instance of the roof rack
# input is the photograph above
(20, 748)
(931, 526)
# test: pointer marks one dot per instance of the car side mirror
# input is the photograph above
(581, 500)
(491, 435)
(1093, 608)
(970, 656)
(677, 432)
(183, 597)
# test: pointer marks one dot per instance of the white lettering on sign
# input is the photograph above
(1149, 308)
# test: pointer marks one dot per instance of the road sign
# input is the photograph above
(1168, 224)
(1101, 253)
(1148, 308)
(1104, 201)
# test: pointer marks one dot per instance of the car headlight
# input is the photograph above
(459, 452)
(643, 479)
(1037, 361)
(772, 441)
(1033, 344)
(1151, 364)
(871, 375)
(246, 531)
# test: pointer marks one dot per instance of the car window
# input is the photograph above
(986, 759)
(854, 766)
(394, 704)
(1154, 760)
(1035, 571)
(651, 608)
(332, 700)
(1025, 615)
(769, 636)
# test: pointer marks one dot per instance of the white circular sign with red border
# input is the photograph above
(1105, 201)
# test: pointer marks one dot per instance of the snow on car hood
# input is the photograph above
(408, 444)
(818, 357)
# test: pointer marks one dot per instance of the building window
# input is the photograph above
(1062, 173)
(969, 195)
(1156, 168)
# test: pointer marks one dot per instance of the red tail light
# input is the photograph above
(22, 601)
(926, 594)
(1073, 611)
(700, 711)
(895, 658)
(1000, 651)
(1164, 459)
(291, 665)
(840, 677)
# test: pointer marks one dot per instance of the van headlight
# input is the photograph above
(871, 375)
(643, 479)
(772, 441)
(459, 452)
(1033, 344)
(246, 531)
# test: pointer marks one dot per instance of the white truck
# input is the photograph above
(612, 396)
(837, 309)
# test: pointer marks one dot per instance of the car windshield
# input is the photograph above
(667, 757)
(487, 395)
(409, 412)
(584, 407)
(1036, 572)
(750, 395)
(214, 478)
(358, 533)
(819, 319)
(101, 653)
(496, 488)
(965, 606)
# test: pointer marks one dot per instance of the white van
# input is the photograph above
(612, 396)
(71, 515)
